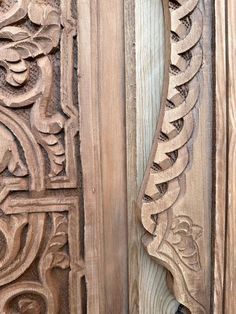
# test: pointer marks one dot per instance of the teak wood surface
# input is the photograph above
(117, 156)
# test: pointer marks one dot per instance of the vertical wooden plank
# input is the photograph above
(90, 152)
(133, 224)
(230, 284)
(220, 155)
(102, 134)
(113, 158)
(149, 23)
(147, 280)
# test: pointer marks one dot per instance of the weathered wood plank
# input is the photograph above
(102, 134)
(90, 153)
(220, 152)
(150, 50)
(133, 224)
(230, 276)
(111, 103)
(148, 287)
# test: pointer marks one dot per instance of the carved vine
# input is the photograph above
(161, 190)
(38, 134)
(45, 292)
(38, 126)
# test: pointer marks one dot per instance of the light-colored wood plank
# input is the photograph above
(102, 135)
(230, 284)
(133, 224)
(90, 153)
(111, 105)
(177, 191)
(150, 52)
(154, 296)
(220, 156)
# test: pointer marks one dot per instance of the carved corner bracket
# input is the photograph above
(175, 234)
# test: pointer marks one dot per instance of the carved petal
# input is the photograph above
(9, 155)
(14, 33)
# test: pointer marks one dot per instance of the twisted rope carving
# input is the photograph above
(172, 157)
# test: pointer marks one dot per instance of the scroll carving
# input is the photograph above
(41, 260)
(174, 237)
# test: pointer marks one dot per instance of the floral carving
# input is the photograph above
(38, 128)
(28, 54)
(183, 236)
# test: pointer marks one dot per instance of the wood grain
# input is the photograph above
(103, 153)
(131, 162)
(150, 50)
(220, 156)
(90, 153)
(147, 280)
(179, 188)
(111, 103)
(230, 276)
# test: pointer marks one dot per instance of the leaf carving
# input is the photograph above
(9, 155)
(56, 152)
(60, 259)
(14, 33)
(55, 255)
(48, 36)
(26, 45)
(13, 58)
(183, 237)
(59, 238)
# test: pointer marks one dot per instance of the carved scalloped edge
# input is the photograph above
(170, 157)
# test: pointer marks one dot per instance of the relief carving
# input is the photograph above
(40, 256)
(173, 238)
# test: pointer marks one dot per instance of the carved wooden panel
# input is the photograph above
(63, 179)
(175, 199)
(41, 259)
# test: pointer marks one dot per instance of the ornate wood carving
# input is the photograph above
(41, 253)
(175, 233)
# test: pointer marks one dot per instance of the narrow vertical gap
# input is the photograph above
(83, 295)
(227, 150)
(80, 170)
(214, 167)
